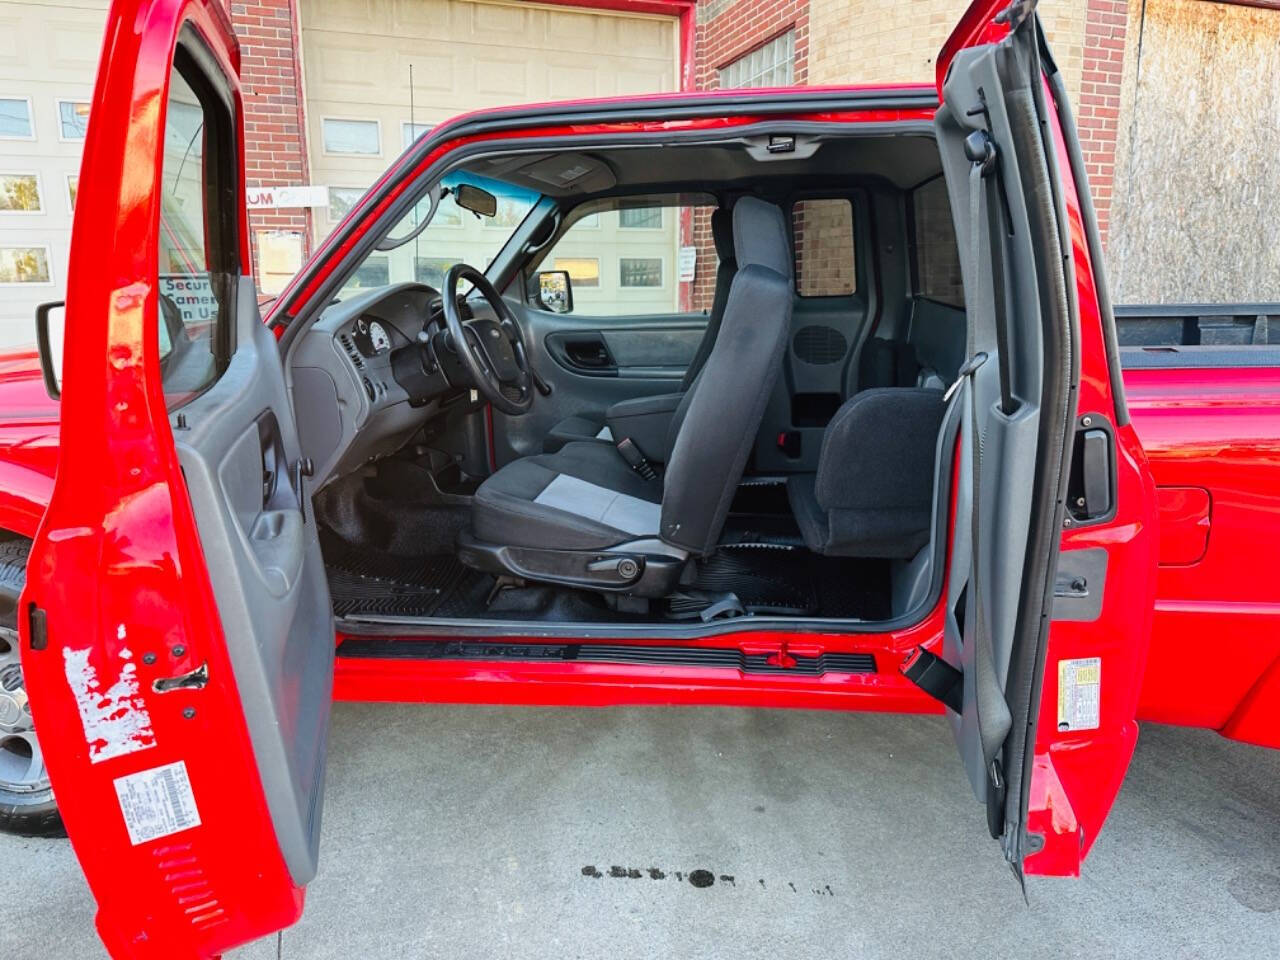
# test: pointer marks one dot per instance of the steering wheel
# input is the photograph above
(492, 351)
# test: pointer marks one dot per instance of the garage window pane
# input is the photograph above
(24, 265)
(73, 187)
(73, 119)
(374, 272)
(412, 131)
(356, 137)
(15, 119)
(640, 271)
(20, 193)
(772, 65)
(430, 270)
(639, 215)
(583, 271)
(341, 201)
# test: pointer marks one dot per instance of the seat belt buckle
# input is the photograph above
(635, 459)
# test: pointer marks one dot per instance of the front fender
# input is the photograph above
(24, 497)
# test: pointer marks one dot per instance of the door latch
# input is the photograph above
(195, 680)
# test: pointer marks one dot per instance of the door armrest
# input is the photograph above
(645, 421)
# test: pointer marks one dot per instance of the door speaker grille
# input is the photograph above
(818, 344)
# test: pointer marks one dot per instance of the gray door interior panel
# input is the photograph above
(647, 355)
(238, 450)
(1007, 444)
(656, 345)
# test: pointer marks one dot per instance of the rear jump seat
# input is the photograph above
(872, 495)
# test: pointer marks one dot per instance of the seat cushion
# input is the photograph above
(583, 497)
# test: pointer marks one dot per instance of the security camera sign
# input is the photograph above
(193, 295)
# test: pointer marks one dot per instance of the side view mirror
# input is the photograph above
(555, 291)
(49, 341)
(475, 199)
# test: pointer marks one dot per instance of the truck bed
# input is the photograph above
(1208, 415)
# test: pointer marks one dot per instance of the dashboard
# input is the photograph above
(370, 372)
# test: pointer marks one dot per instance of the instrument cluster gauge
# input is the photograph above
(378, 338)
(370, 337)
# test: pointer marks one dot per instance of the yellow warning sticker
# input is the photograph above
(1079, 693)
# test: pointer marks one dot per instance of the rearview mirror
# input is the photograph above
(555, 291)
(475, 199)
(50, 332)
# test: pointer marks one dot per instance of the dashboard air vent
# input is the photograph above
(352, 352)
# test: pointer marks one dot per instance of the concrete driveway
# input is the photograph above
(486, 832)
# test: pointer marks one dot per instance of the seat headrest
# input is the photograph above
(760, 236)
(722, 233)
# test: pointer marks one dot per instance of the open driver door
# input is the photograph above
(1050, 589)
(177, 633)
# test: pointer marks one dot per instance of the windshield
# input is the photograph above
(454, 235)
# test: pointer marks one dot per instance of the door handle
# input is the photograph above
(1091, 488)
(588, 353)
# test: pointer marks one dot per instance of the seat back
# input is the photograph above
(722, 234)
(714, 428)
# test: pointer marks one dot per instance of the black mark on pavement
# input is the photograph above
(700, 878)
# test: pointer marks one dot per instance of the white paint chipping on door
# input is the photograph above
(466, 55)
(115, 718)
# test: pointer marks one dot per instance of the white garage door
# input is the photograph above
(466, 54)
(48, 58)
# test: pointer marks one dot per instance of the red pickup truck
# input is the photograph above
(881, 450)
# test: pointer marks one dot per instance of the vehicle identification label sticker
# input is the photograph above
(157, 802)
(1079, 693)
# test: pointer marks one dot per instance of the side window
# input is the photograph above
(639, 256)
(199, 255)
(824, 249)
(937, 257)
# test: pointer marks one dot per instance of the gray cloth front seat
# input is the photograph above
(585, 498)
(594, 425)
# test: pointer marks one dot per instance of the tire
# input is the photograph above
(27, 807)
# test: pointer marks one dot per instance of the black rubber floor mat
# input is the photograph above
(372, 582)
(763, 578)
(792, 581)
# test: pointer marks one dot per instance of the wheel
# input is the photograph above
(27, 806)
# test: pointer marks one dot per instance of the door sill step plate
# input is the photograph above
(389, 648)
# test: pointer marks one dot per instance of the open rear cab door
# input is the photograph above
(1050, 589)
(176, 630)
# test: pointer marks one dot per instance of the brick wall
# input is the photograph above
(728, 30)
(275, 144)
(1098, 101)
(824, 255)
